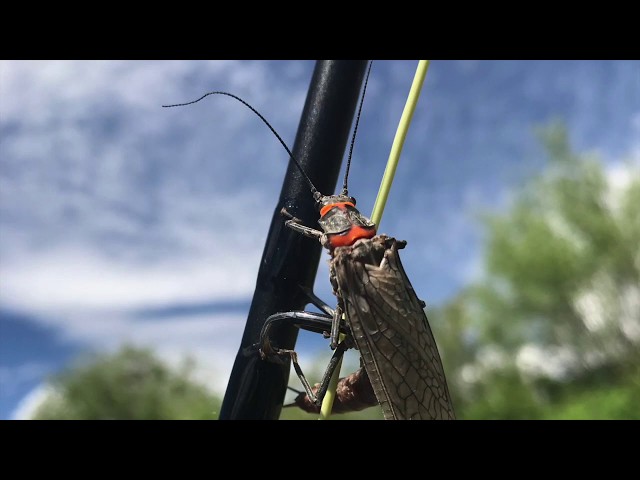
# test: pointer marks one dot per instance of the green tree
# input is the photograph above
(131, 384)
(552, 329)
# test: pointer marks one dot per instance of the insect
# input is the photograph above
(377, 312)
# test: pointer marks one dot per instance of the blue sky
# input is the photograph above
(123, 221)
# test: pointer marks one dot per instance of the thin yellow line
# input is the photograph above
(383, 194)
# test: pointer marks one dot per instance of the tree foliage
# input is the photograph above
(131, 384)
(552, 329)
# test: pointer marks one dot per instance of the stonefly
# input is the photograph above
(377, 312)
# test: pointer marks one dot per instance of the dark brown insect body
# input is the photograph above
(385, 321)
(390, 329)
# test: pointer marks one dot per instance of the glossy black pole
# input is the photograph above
(256, 388)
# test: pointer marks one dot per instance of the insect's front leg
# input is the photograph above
(296, 224)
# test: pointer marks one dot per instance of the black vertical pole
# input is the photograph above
(256, 388)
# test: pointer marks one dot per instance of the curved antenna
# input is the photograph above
(355, 129)
(306, 177)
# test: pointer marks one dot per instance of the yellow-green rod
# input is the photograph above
(383, 194)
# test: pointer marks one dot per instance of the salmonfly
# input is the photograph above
(377, 312)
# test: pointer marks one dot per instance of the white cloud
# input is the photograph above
(31, 89)
(30, 403)
(92, 302)
(72, 280)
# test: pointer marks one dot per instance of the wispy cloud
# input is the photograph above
(29, 404)
(67, 280)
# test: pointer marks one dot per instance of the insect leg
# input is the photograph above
(335, 325)
(303, 229)
(314, 322)
(296, 224)
(317, 301)
(326, 378)
(339, 311)
(306, 231)
(310, 321)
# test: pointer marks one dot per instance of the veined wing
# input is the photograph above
(391, 331)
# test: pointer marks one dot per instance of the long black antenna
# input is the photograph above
(304, 174)
(355, 129)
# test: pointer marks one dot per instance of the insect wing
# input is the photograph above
(391, 331)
